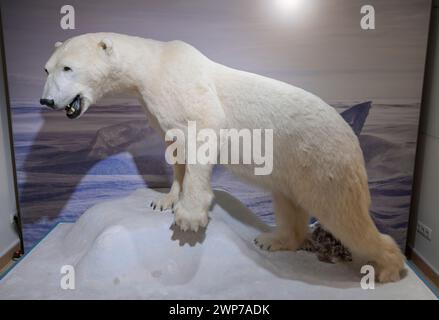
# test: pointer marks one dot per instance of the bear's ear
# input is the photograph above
(106, 45)
(57, 44)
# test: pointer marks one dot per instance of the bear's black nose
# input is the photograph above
(47, 102)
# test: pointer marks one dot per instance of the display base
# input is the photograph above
(122, 249)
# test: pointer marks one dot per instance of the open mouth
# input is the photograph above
(73, 109)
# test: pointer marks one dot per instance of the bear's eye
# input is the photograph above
(47, 72)
(67, 69)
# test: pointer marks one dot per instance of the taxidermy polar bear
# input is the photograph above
(318, 166)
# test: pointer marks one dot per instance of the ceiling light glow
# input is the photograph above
(288, 5)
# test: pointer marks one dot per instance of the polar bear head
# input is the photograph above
(79, 72)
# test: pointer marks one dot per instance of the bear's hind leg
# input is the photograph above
(292, 226)
(353, 226)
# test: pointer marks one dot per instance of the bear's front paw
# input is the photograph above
(190, 219)
(165, 202)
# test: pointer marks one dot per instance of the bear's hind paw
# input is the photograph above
(272, 241)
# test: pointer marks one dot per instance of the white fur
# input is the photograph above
(318, 167)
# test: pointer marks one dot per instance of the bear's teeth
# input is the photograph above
(70, 110)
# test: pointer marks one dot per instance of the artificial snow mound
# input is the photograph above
(122, 249)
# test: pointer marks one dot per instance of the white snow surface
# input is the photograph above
(122, 249)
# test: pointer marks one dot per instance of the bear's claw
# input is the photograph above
(165, 202)
(261, 245)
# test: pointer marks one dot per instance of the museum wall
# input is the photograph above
(8, 235)
(426, 200)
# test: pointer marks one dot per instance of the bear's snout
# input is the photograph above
(47, 102)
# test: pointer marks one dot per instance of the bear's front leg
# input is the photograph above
(169, 200)
(191, 211)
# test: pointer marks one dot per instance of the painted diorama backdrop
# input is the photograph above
(373, 77)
